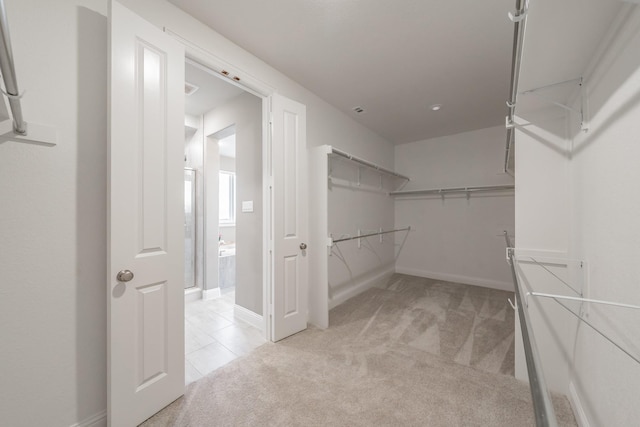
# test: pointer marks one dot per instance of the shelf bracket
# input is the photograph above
(578, 111)
(36, 134)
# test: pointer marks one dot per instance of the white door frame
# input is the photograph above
(262, 90)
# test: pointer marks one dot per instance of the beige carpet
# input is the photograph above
(414, 353)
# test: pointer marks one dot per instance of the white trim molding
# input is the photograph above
(248, 316)
(96, 420)
(467, 280)
(208, 294)
(192, 294)
(578, 408)
(359, 287)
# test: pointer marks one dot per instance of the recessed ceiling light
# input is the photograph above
(436, 107)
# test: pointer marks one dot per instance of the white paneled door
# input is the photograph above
(289, 156)
(146, 247)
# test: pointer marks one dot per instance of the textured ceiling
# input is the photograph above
(393, 58)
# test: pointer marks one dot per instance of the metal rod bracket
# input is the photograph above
(510, 253)
(508, 123)
(12, 96)
(518, 16)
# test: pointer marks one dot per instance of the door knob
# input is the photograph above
(124, 275)
(303, 246)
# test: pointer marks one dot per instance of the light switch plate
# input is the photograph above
(247, 206)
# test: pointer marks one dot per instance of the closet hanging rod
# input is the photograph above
(542, 406)
(344, 239)
(557, 299)
(9, 74)
(519, 21)
(367, 164)
(454, 190)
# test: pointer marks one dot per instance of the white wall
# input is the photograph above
(53, 220)
(53, 210)
(606, 182)
(455, 238)
(576, 198)
(542, 225)
(227, 164)
(245, 112)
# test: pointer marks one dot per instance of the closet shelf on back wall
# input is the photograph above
(351, 219)
(443, 191)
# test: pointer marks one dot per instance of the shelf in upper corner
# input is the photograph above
(336, 153)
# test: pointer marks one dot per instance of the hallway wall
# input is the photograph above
(245, 112)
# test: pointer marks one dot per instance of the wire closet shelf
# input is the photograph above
(339, 153)
(544, 413)
(443, 191)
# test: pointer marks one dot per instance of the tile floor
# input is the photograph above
(213, 337)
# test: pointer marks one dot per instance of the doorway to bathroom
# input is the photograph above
(223, 221)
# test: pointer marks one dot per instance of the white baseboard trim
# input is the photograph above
(248, 316)
(96, 420)
(467, 280)
(360, 287)
(578, 408)
(208, 294)
(192, 294)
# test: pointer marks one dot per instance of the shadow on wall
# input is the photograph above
(548, 123)
(548, 129)
(608, 121)
(91, 211)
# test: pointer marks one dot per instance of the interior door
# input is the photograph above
(289, 157)
(146, 246)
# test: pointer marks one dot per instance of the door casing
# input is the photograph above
(217, 65)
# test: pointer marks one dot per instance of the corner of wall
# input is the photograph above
(96, 420)
(577, 407)
(359, 286)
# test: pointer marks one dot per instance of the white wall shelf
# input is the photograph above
(336, 154)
